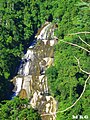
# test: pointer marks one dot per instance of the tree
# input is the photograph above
(17, 109)
(69, 87)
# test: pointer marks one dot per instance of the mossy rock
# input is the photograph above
(23, 94)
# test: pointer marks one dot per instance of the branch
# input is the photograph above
(80, 69)
(79, 33)
(78, 98)
(88, 73)
(75, 45)
(84, 41)
(73, 103)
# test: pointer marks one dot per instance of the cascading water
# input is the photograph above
(31, 81)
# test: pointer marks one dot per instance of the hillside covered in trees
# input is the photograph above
(69, 77)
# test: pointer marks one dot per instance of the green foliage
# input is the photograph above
(67, 85)
(19, 22)
(18, 109)
(65, 79)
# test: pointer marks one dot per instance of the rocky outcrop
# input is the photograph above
(31, 81)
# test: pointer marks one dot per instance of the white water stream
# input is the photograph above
(30, 79)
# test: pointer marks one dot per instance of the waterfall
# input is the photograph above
(31, 81)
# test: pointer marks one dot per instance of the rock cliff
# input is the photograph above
(31, 81)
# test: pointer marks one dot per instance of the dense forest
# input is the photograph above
(19, 22)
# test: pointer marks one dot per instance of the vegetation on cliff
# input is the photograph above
(18, 109)
(19, 22)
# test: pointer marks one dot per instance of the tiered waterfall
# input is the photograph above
(31, 81)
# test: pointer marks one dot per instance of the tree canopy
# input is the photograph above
(18, 109)
(19, 22)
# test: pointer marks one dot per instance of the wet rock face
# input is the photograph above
(31, 81)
